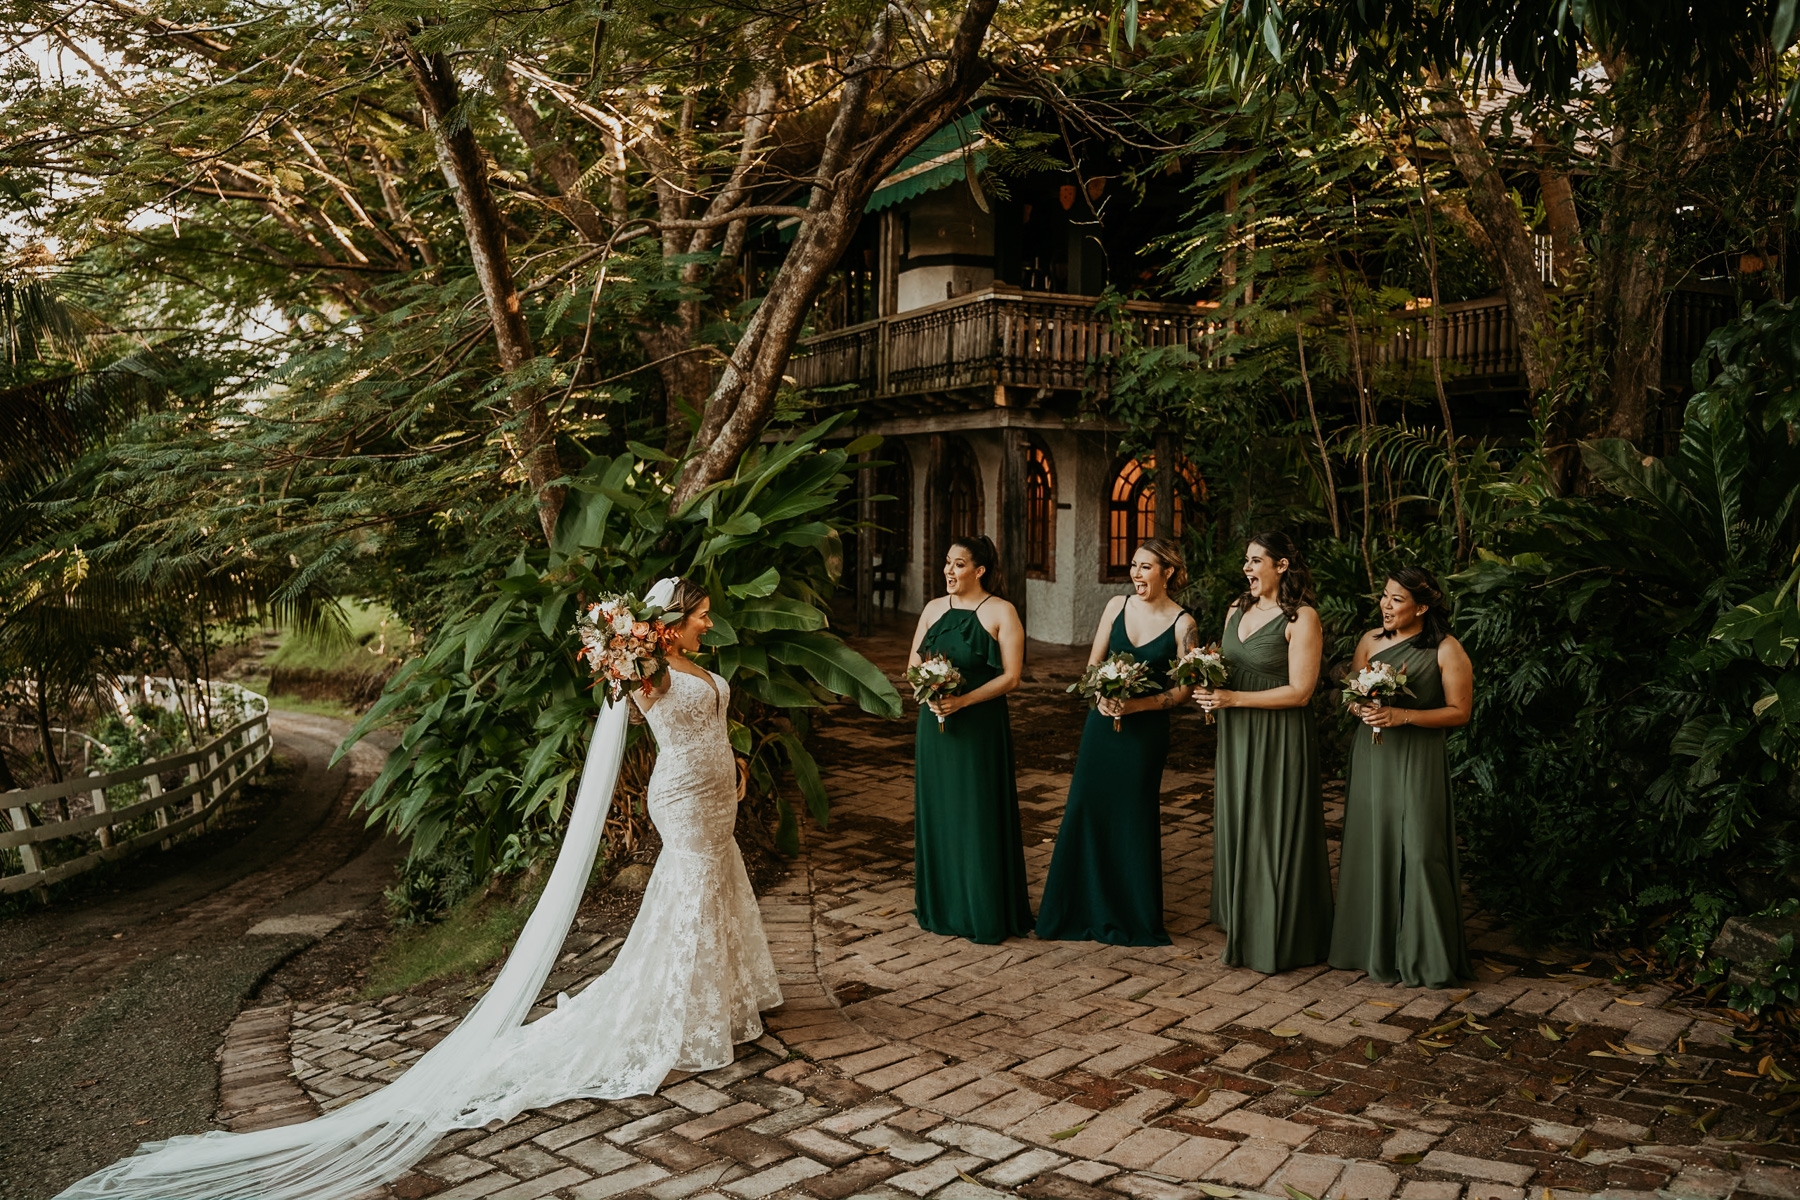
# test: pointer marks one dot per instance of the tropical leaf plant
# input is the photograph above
(497, 710)
(1638, 680)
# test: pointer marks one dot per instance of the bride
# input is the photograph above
(686, 987)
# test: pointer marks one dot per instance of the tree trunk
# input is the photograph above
(741, 402)
(1508, 245)
(534, 443)
(1559, 210)
(1651, 144)
(41, 711)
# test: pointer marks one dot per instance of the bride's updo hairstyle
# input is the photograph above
(686, 597)
(1423, 587)
(983, 554)
(1296, 589)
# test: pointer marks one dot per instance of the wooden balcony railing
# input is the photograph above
(1480, 339)
(1002, 336)
(989, 338)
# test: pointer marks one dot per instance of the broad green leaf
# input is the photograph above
(762, 585)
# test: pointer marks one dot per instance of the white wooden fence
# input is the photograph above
(208, 777)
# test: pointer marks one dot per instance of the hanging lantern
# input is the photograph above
(1066, 194)
(1096, 187)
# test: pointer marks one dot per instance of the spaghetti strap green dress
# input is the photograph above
(1271, 890)
(1106, 876)
(1399, 914)
(968, 855)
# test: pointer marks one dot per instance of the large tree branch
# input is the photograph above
(555, 159)
(1509, 248)
(741, 403)
(484, 226)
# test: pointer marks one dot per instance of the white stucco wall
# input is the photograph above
(945, 222)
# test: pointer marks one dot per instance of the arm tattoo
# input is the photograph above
(1166, 699)
(1191, 638)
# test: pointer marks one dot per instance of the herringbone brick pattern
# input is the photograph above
(907, 1065)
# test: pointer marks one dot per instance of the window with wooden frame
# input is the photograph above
(962, 489)
(1131, 510)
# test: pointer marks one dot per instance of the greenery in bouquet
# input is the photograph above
(625, 643)
(1377, 683)
(1119, 677)
(934, 677)
(1202, 667)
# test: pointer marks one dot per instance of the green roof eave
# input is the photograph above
(937, 162)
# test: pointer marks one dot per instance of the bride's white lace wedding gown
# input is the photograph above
(695, 970)
(686, 987)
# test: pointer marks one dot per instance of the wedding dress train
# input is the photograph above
(686, 987)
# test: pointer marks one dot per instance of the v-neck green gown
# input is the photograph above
(1399, 914)
(968, 856)
(1106, 877)
(1271, 888)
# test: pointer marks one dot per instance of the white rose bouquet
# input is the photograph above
(1120, 677)
(934, 677)
(1376, 683)
(625, 643)
(1201, 667)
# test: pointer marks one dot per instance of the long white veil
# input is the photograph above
(377, 1138)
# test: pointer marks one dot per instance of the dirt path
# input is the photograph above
(112, 1006)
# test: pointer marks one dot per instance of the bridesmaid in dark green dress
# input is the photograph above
(1271, 886)
(1399, 913)
(1105, 881)
(968, 857)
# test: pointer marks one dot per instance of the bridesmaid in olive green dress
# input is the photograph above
(968, 857)
(1271, 886)
(1105, 882)
(1399, 913)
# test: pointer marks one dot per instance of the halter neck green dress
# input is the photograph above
(1271, 889)
(1106, 877)
(968, 856)
(1399, 913)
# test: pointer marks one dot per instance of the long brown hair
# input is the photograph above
(1296, 590)
(1170, 556)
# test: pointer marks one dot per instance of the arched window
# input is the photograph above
(1040, 512)
(1131, 509)
(962, 489)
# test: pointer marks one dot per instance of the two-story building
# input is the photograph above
(962, 326)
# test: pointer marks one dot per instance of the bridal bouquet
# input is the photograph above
(1376, 683)
(934, 678)
(1120, 677)
(1201, 667)
(625, 643)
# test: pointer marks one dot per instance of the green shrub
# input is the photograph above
(499, 710)
(1632, 747)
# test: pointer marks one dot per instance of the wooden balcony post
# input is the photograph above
(1165, 487)
(937, 513)
(1011, 523)
(865, 547)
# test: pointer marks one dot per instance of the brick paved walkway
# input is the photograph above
(907, 1065)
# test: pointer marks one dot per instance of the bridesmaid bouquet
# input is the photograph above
(1376, 684)
(934, 677)
(1120, 677)
(1201, 667)
(625, 643)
